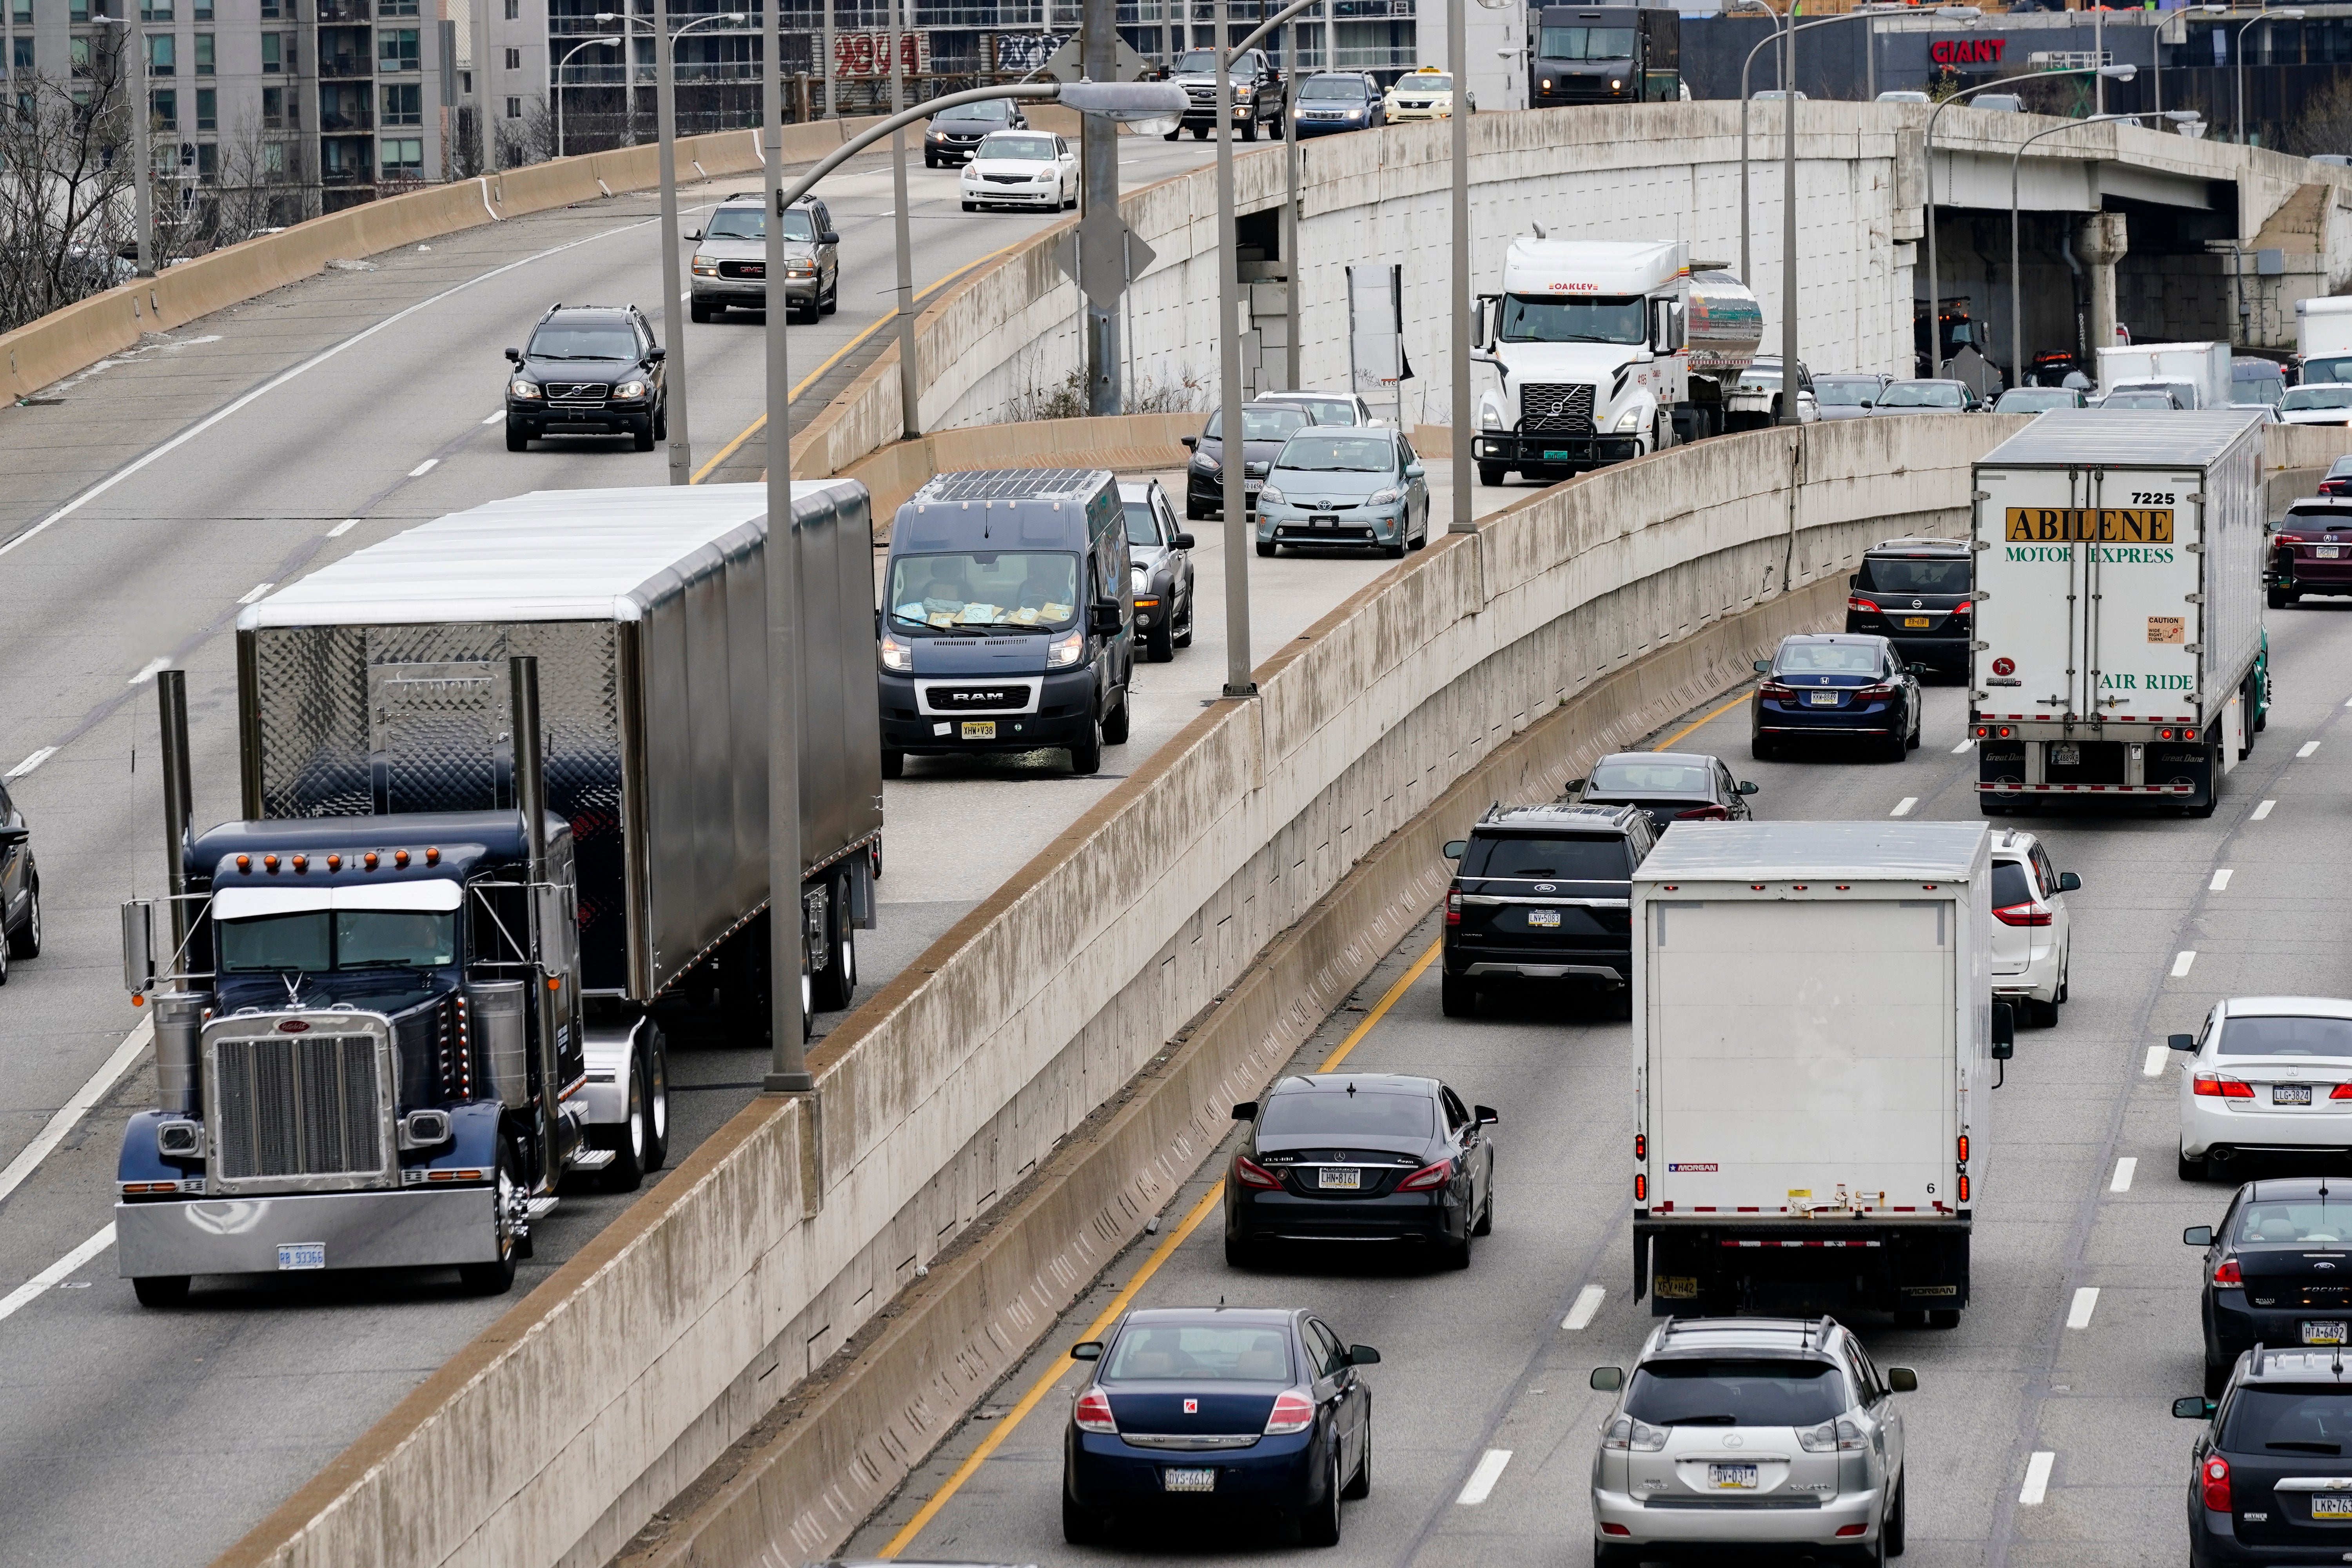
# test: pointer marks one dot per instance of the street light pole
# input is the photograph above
(584, 44)
(1457, 116)
(2238, 59)
(1791, 383)
(911, 410)
(1290, 260)
(1233, 451)
(673, 399)
(1099, 172)
(142, 197)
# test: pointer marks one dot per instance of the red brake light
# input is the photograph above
(2213, 1086)
(1453, 906)
(1964, 1189)
(2029, 913)
(2226, 1273)
(1775, 692)
(1856, 601)
(1961, 608)
(1641, 1188)
(1093, 1414)
(1642, 1141)
(1964, 1148)
(1253, 1174)
(1705, 814)
(1428, 1178)
(2341, 1092)
(1293, 1411)
(2215, 1478)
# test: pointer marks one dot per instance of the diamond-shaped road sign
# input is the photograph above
(1068, 65)
(1103, 256)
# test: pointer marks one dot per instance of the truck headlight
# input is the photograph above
(1068, 649)
(179, 1140)
(525, 389)
(1630, 419)
(896, 655)
(1615, 85)
(799, 269)
(1489, 418)
(629, 389)
(705, 266)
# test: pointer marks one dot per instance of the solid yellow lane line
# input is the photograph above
(1044, 1384)
(1696, 723)
(811, 379)
(1380, 1009)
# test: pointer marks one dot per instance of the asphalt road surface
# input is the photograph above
(2078, 1197)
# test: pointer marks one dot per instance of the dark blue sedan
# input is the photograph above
(1836, 686)
(1198, 1413)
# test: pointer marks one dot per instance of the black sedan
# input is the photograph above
(1199, 1413)
(1360, 1157)
(1264, 427)
(1669, 787)
(2278, 1270)
(20, 888)
(1830, 686)
(2269, 1477)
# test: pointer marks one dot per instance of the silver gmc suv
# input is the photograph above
(730, 259)
(1755, 1432)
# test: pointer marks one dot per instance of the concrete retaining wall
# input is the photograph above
(618, 1381)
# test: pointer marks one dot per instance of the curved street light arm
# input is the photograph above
(1267, 26)
(2016, 290)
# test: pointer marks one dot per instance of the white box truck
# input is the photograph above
(2118, 607)
(2196, 373)
(1815, 1037)
(2323, 339)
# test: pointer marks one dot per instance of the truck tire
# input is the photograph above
(1114, 724)
(696, 311)
(1492, 474)
(626, 1174)
(832, 986)
(1456, 997)
(1942, 1317)
(1086, 754)
(1249, 129)
(1160, 641)
(657, 1059)
(161, 1290)
(894, 763)
(496, 1279)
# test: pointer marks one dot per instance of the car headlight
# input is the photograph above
(896, 655)
(936, 136)
(1489, 418)
(1067, 649)
(1269, 496)
(525, 389)
(1385, 497)
(706, 267)
(629, 389)
(1615, 85)
(1206, 462)
(799, 269)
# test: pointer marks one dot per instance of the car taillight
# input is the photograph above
(1856, 601)
(1453, 906)
(2226, 1273)
(1093, 1414)
(1961, 608)
(1777, 692)
(1253, 1174)
(2215, 1482)
(1704, 814)
(2029, 913)
(2214, 1086)
(2341, 1092)
(1428, 1177)
(1293, 1411)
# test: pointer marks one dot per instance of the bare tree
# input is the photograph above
(2326, 124)
(529, 140)
(65, 193)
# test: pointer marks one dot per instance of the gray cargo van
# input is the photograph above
(1007, 621)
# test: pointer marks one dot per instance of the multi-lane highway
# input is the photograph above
(2084, 1321)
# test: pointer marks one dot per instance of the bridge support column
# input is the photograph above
(2101, 243)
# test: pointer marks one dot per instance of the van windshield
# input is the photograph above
(1027, 588)
(1587, 44)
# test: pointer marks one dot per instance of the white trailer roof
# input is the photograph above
(2127, 438)
(1597, 267)
(551, 556)
(1824, 851)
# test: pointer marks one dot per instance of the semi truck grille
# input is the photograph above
(297, 1105)
(1556, 406)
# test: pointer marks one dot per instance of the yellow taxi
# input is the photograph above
(1423, 94)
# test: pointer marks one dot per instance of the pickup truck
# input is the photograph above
(1257, 94)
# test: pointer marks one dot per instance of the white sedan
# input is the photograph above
(1021, 169)
(2266, 1075)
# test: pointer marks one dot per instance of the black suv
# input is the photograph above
(1257, 94)
(1915, 594)
(591, 370)
(1542, 892)
(2269, 1478)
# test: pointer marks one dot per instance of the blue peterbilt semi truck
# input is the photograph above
(504, 824)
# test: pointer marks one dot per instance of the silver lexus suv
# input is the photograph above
(1753, 1432)
(730, 259)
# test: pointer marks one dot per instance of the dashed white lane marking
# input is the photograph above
(1963, 746)
(2180, 963)
(2307, 748)
(74, 1110)
(342, 527)
(424, 468)
(55, 1273)
(149, 670)
(496, 417)
(1903, 808)
(255, 592)
(29, 764)
(1482, 1479)
(1588, 1303)
(2154, 1065)
(2086, 1300)
(2262, 811)
(2037, 1478)
(2221, 881)
(2124, 1166)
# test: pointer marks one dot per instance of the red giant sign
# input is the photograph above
(1966, 51)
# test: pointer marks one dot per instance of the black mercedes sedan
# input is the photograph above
(2278, 1270)
(1360, 1157)
(1669, 787)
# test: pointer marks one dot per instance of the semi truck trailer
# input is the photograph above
(504, 822)
(2118, 607)
(1815, 1042)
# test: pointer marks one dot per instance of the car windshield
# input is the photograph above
(1349, 87)
(1338, 1114)
(2139, 400)
(1197, 62)
(1892, 574)
(2010, 884)
(1142, 524)
(1839, 392)
(2316, 371)
(2034, 399)
(1260, 424)
(751, 223)
(1018, 149)
(584, 341)
(1920, 394)
(1417, 83)
(318, 941)
(2314, 1220)
(1543, 319)
(1318, 454)
(1581, 858)
(1322, 410)
(985, 588)
(2256, 386)
(2318, 398)
(2288, 1420)
(1649, 778)
(2282, 1036)
(1826, 658)
(1723, 1393)
(994, 109)
(1204, 1353)
(1586, 44)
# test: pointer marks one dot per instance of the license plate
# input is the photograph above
(1188, 1480)
(302, 1255)
(2290, 1094)
(2323, 1333)
(980, 729)
(1319, 522)
(1548, 919)
(2331, 1505)
(2066, 756)
(1555, 457)
(1919, 621)
(2324, 552)
(1332, 1179)
(1732, 1477)
(1821, 699)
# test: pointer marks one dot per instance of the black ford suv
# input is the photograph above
(1542, 892)
(590, 370)
(1915, 594)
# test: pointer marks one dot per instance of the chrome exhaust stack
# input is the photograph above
(179, 1011)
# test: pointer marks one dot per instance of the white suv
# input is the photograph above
(2032, 940)
(2265, 1075)
(1749, 1432)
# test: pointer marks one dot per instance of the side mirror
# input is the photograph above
(1867, 404)
(829, 237)
(2181, 1042)
(1607, 1379)
(2069, 883)
(2004, 1032)
(1104, 621)
(1454, 847)
(694, 234)
(654, 356)
(1571, 786)
(12, 837)
(1087, 1349)
(1902, 1380)
(1245, 1111)
(138, 946)
(1190, 443)
(1761, 666)
(1414, 471)
(1748, 786)
(1364, 1355)
(2198, 1236)
(1486, 1115)
(514, 356)
(1184, 541)
(2189, 1408)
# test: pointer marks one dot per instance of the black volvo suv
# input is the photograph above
(590, 370)
(1915, 594)
(1542, 892)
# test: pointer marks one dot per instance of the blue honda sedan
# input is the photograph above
(1205, 1413)
(1833, 685)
